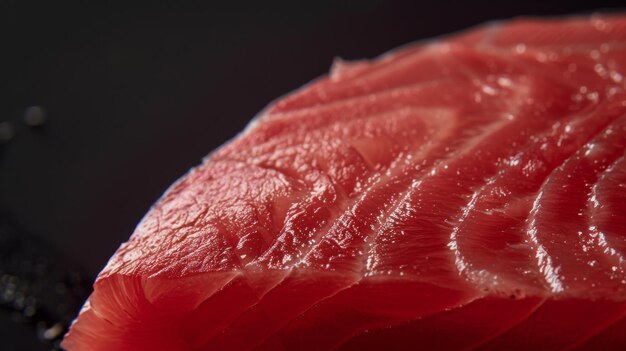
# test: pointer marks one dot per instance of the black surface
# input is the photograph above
(40, 291)
(137, 93)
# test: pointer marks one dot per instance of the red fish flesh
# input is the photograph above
(467, 193)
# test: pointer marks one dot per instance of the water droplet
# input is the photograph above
(505, 82)
(616, 76)
(34, 116)
(594, 54)
(488, 90)
(541, 57)
(611, 91)
(604, 48)
(30, 311)
(593, 96)
(599, 23)
(53, 332)
(477, 97)
(6, 132)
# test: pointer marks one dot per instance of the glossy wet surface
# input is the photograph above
(440, 184)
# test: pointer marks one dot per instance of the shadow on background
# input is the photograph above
(136, 94)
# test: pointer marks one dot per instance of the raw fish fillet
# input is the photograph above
(467, 193)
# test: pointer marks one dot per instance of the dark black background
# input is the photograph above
(137, 92)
